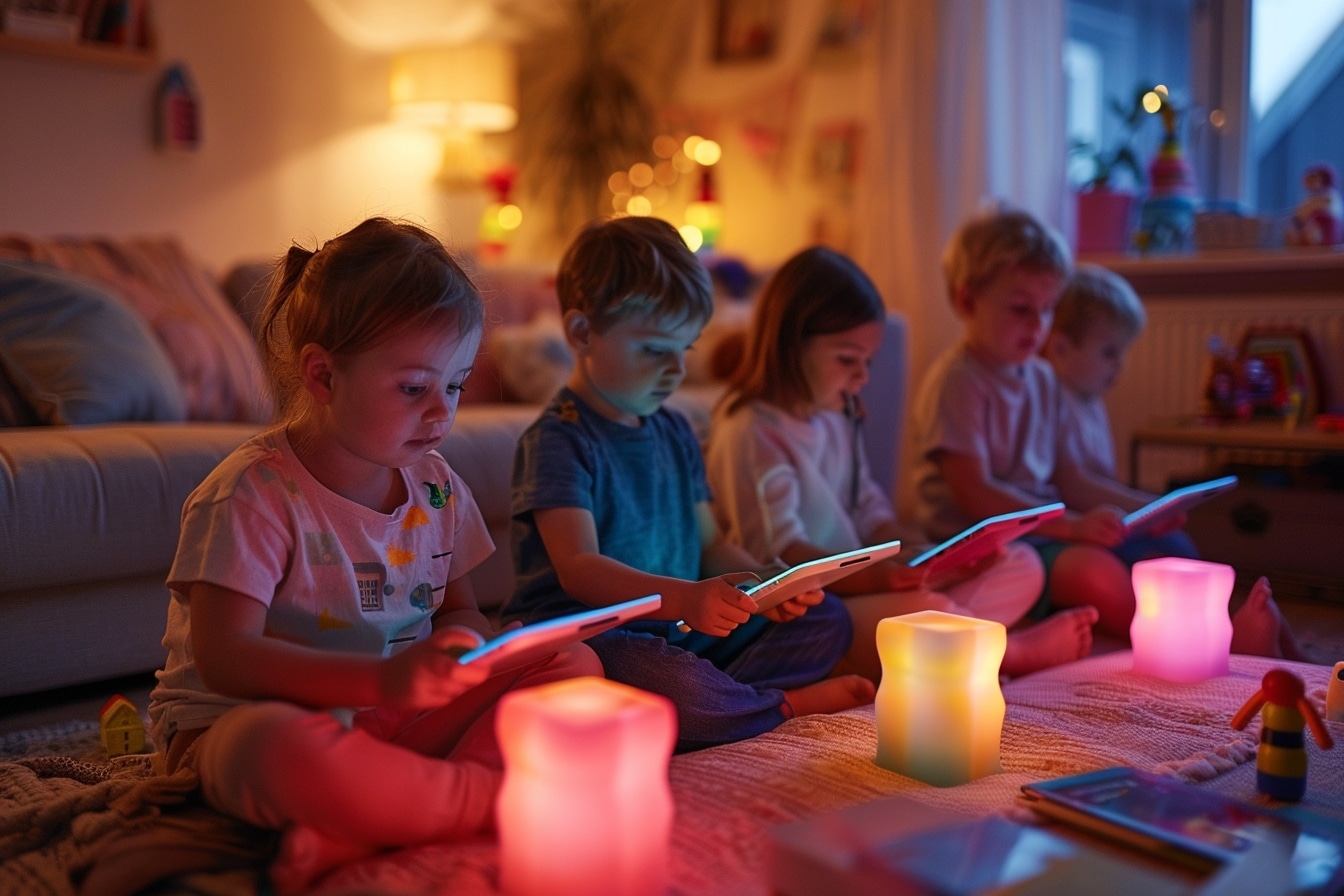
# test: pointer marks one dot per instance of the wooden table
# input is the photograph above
(1263, 440)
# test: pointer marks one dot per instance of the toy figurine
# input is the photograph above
(1318, 219)
(1281, 760)
(123, 731)
(1334, 694)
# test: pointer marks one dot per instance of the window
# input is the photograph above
(1261, 83)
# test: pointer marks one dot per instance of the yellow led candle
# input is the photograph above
(586, 806)
(939, 707)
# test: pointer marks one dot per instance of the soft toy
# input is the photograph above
(1318, 218)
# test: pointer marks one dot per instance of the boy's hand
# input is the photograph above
(427, 674)
(902, 577)
(1102, 525)
(714, 606)
(795, 606)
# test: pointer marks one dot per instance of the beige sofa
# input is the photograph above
(89, 512)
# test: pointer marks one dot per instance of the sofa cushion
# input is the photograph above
(211, 350)
(75, 354)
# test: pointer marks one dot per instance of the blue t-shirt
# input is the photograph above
(641, 484)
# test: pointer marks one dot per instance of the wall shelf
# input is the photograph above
(86, 52)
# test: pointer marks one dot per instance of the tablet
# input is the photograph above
(519, 646)
(1175, 501)
(817, 573)
(984, 538)
(1201, 829)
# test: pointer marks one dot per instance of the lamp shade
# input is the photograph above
(470, 87)
(1181, 629)
(939, 708)
(586, 806)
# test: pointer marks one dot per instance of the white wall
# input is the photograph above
(296, 139)
(297, 143)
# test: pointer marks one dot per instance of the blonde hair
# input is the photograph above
(998, 240)
(351, 293)
(623, 267)
(1093, 293)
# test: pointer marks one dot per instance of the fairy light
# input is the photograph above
(707, 152)
(641, 174)
(691, 236)
(639, 206)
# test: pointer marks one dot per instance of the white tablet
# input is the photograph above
(984, 538)
(1175, 501)
(519, 646)
(817, 573)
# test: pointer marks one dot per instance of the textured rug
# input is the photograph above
(116, 827)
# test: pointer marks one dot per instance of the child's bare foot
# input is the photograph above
(1062, 638)
(831, 695)
(305, 856)
(1259, 629)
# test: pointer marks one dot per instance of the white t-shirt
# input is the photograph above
(333, 574)
(777, 480)
(1009, 416)
(1086, 437)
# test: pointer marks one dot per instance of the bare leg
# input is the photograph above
(1088, 575)
(1062, 638)
(831, 695)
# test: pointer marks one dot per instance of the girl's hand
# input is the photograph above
(713, 606)
(795, 606)
(427, 674)
(1102, 525)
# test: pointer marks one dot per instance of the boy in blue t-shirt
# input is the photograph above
(610, 502)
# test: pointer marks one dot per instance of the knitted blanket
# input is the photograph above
(116, 827)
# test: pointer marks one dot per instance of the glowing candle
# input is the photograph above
(1181, 630)
(586, 806)
(939, 707)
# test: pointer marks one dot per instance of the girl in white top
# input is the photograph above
(791, 481)
(319, 592)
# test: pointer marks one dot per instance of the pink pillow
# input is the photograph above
(212, 353)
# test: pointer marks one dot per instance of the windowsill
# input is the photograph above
(1224, 272)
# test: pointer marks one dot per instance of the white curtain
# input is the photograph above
(970, 109)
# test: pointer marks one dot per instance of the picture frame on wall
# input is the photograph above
(747, 30)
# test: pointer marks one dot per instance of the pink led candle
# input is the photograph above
(1181, 629)
(586, 807)
(939, 708)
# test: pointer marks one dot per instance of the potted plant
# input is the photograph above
(1105, 203)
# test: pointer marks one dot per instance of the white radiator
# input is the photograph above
(1164, 370)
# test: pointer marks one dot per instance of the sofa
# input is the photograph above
(127, 373)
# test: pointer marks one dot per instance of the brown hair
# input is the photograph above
(816, 292)
(997, 240)
(352, 292)
(1094, 293)
(632, 266)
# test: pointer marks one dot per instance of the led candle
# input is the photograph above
(586, 807)
(939, 707)
(1181, 629)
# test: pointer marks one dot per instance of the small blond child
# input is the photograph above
(1097, 319)
(988, 428)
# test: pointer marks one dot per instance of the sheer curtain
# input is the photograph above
(970, 109)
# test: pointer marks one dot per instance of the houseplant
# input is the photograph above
(1106, 200)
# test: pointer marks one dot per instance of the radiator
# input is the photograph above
(1165, 368)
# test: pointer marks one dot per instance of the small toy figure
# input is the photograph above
(1334, 694)
(1318, 219)
(122, 730)
(1281, 760)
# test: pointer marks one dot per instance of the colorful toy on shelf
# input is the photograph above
(1334, 694)
(501, 216)
(1319, 218)
(1281, 759)
(122, 730)
(1167, 216)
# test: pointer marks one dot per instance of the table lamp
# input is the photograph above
(586, 806)
(1181, 630)
(939, 708)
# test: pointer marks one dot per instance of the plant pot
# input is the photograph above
(1104, 220)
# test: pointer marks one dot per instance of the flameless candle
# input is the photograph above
(586, 806)
(939, 707)
(1181, 630)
